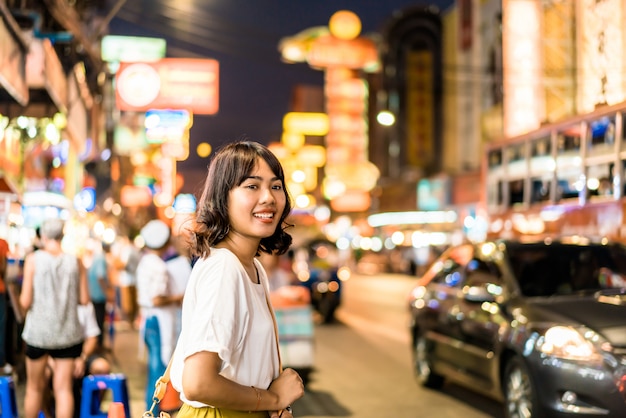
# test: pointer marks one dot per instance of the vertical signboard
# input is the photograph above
(420, 112)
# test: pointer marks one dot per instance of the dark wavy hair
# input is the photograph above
(228, 168)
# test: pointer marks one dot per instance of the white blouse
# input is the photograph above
(226, 313)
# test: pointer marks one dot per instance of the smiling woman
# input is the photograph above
(227, 361)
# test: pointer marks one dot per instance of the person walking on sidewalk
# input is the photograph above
(227, 362)
(99, 284)
(157, 302)
(53, 286)
(178, 265)
(5, 368)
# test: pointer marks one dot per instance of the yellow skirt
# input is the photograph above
(187, 411)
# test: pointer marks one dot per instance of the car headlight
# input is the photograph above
(568, 343)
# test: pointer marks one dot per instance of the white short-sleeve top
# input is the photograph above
(226, 313)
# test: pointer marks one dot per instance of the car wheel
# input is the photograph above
(519, 393)
(423, 366)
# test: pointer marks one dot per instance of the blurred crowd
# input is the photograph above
(136, 282)
(79, 299)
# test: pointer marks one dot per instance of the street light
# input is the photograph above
(385, 118)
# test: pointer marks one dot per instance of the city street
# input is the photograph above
(362, 362)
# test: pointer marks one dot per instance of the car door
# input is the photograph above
(480, 320)
(439, 318)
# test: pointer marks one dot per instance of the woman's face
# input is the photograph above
(256, 205)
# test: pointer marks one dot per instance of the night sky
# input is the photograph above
(243, 35)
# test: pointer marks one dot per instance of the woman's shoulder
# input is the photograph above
(219, 265)
(217, 258)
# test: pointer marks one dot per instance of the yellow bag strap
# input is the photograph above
(159, 391)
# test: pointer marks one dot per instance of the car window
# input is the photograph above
(481, 272)
(558, 269)
(450, 274)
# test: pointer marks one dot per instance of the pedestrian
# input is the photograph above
(91, 361)
(227, 361)
(5, 368)
(53, 286)
(157, 303)
(99, 284)
(178, 265)
(129, 257)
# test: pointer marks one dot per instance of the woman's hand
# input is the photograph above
(288, 387)
(79, 367)
(283, 413)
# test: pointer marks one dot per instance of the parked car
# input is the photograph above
(540, 326)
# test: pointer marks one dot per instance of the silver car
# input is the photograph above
(540, 326)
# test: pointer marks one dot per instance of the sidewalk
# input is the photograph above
(124, 359)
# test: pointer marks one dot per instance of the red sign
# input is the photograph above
(170, 83)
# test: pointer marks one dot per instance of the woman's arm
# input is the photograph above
(26, 294)
(83, 287)
(203, 383)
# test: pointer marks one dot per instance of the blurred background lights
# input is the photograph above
(386, 118)
(377, 244)
(108, 235)
(343, 243)
(322, 213)
(345, 25)
(59, 120)
(298, 176)
(303, 201)
(397, 238)
(116, 209)
(169, 212)
(203, 150)
(389, 244)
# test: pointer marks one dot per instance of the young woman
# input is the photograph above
(227, 363)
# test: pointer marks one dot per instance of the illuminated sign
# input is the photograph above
(132, 48)
(170, 83)
(185, 203)
(85, 199)
(307, 123)
(166, 124)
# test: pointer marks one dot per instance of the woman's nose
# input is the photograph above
(268, 195)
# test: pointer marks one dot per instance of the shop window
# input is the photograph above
(540, 190)
(516, 192)
(601, 136)
(495, 158)
(515, 153)
(541, 147)
(495, 196)
(568, 140)
(600, 180)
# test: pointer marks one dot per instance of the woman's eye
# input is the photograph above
(277, 187)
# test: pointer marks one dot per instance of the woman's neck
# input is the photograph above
(53, 247)
(245, 250)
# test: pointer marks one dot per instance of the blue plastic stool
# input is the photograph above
(8, 403)
(92, 387)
